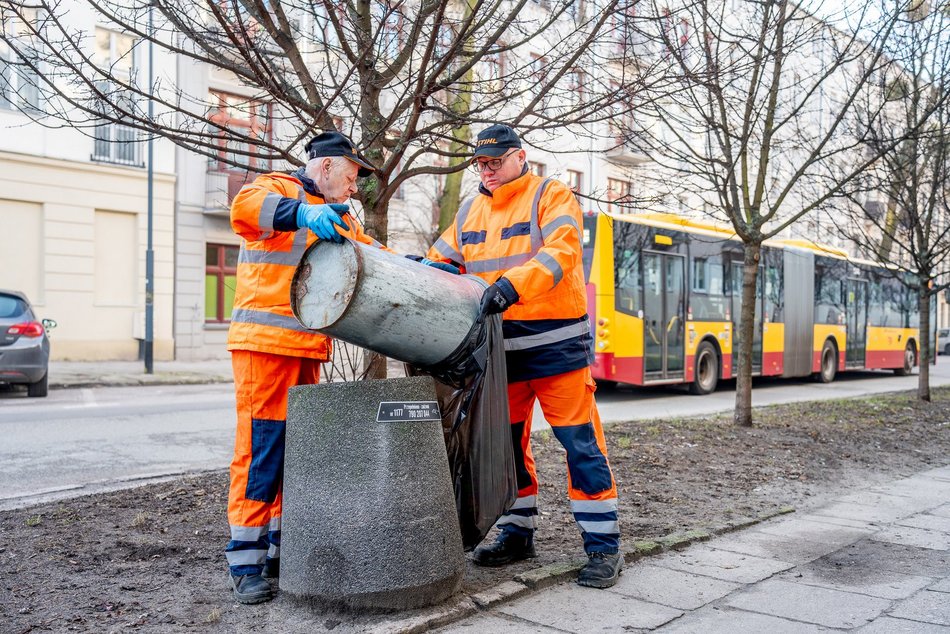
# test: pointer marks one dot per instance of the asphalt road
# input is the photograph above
(87, 440)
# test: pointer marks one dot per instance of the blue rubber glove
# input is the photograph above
(321, 220)
(444, 266)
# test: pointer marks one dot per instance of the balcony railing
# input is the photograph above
(117, 144)
(221, 187)
(622, 151)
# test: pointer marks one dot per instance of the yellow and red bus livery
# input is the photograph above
(664, 296)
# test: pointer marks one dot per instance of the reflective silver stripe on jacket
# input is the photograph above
(446, 249)
(248, 533)
(551, 336)
(549, 228)
(594, 506)
(504, 263)
(287, 258)
(459, 221)
(265, 220)
(551, 264)
(262, 318)
(497, 264)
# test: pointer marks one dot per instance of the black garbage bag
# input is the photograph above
(472, 389)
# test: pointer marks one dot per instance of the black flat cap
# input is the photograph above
(333, 143)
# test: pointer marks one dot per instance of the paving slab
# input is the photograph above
(759, 544)
(943, 510)
(896, 501)
(926, 606)
(583, 610)
(673, 588)
(862, 512)
(932, 491)
(812, 604)
(838, 521)
(800, 528)
(722, 620)
(941, 586)
(928, 521)
(908, 560)
(493, 624)
(723, 564)
(870, 580)
(908, 536)
(889, 625)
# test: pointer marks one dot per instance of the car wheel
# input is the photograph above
(40, 388)
(706, 374)
(910, 359)
(829, 363)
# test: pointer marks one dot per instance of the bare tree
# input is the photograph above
(909, 229)
(751, 119)
(390, 73)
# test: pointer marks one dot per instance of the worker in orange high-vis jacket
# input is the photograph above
(278, 216)
(522, 235)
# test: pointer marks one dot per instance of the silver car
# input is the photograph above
(24, 344)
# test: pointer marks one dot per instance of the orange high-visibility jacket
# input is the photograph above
(529, 231)
(262, 320)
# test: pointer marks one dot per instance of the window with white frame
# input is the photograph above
(538, 169)
(20, 61)
(116, 141)
(575, 180)
(618, 194)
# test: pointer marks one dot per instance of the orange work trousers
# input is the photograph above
(567, 401)
(261, 382)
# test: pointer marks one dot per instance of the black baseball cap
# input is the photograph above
(495, 140)
(335, 144)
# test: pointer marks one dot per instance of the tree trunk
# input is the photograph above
(743, 361)
(376, 224)
(923, 343)
(451, 196)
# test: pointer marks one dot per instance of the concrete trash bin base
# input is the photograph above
(369, 519)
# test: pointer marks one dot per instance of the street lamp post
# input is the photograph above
(149, 254)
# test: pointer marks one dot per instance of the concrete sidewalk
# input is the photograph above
(874, 561)
(73, 374)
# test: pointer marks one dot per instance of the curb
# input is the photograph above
(138, 380)
(538, 579)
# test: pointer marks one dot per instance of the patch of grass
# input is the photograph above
(213, 616)
(34, 520)
(623, 442)
(543, 436)
(141, 519)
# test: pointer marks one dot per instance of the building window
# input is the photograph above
(238, 122)
(575, 88)
(575, 180)
(19, 80)
(618, 194)
(220, 282)
(538, 169)
(116, 141)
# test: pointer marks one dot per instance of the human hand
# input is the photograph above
(498, 297)
(323, 220)
(444, 266)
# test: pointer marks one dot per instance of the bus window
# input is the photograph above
(774, 303)
(877, 315)
(893, 316)
(911, 308)
(707, 301)
(627, 276)
(829, 309)
(587, 248)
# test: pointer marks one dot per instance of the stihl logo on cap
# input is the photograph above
(482, 142)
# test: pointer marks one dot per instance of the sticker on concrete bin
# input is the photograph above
(407, 411)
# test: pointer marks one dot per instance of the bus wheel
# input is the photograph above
(829, 363)
(706, 375)
(910, 358)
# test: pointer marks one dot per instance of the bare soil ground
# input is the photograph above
(150, 559)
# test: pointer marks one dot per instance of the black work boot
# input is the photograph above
(272, 568)
(601, 570)
(506, 549)
(251, 589)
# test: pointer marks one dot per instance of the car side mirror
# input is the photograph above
(49, 324)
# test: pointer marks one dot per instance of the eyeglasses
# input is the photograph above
(493, 164)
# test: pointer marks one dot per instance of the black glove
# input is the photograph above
(498, 297)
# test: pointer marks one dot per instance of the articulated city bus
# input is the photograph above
(664, 295)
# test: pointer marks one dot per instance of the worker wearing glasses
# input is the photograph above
(522, 234)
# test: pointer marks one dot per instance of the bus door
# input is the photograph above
(856, 315)
(664, 312)
(736, 291)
